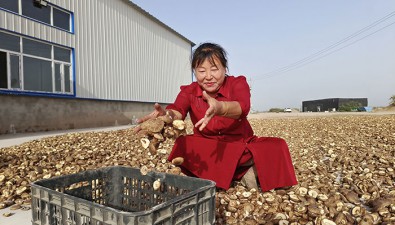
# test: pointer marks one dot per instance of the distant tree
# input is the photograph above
(276, 110)
(349, 106)
(392, 100)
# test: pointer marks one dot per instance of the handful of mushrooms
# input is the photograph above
(154, 131)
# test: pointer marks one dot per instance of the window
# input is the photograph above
(58, 78)
(67, 78)
(9, 42)
(61, 19)
(3, 70)
(11, 5)
(37, 66)
(62, 76)
(11, 68)
(62, 54)
(15, 63)
(37, 74)
(36, 11)
(36, 48)
(46, 13)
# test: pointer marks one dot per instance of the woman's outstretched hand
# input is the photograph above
(158, 111)
(214, 108)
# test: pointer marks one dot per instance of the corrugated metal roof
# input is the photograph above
(157, 20)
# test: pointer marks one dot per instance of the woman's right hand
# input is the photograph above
(158, 111)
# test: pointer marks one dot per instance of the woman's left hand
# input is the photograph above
(213, 109)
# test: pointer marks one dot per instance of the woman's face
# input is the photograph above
(210, 77)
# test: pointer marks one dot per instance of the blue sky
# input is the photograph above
(292, 51)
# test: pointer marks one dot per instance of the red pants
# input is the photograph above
(220, 161)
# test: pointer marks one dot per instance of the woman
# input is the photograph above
(223, 146)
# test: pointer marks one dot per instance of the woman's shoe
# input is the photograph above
(249, 179)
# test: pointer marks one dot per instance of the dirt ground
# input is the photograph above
(343, 162)
(384, 111)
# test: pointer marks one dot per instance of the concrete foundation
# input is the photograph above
(20, 114)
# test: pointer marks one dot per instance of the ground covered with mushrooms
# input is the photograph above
(344, 165)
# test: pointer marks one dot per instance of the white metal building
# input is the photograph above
(111, 50)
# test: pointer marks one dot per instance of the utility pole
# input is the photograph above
(250, 85)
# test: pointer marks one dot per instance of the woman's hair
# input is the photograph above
(209, 51)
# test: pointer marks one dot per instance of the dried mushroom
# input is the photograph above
(179, 124)
(177, 161)
(155, 131)
(153, 125)
(344, 165)
(156, 185)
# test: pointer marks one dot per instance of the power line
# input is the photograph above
(286, 68)
(314, 56)
(333, 51)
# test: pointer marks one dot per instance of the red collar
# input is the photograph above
(222, 90)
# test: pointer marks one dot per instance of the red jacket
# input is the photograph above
(217, 152)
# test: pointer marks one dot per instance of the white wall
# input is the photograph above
(121, 53)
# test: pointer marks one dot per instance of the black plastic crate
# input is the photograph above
(122, 196)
